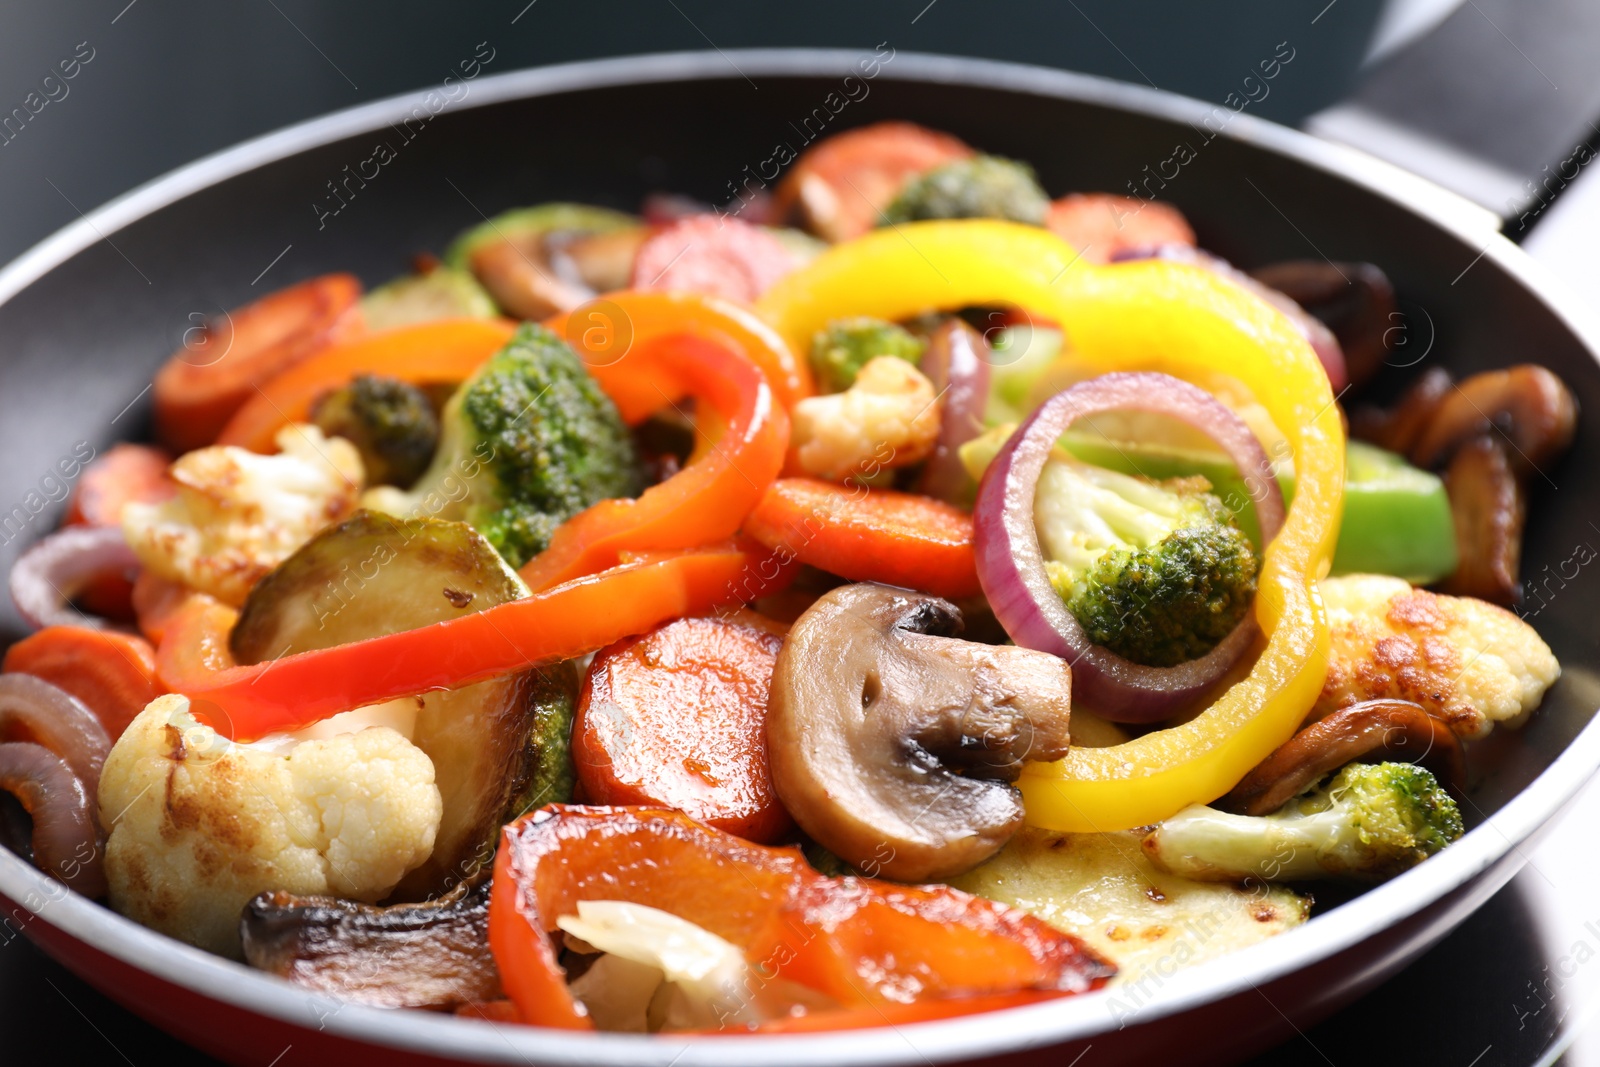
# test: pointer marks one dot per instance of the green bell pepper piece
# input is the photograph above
(1396, 517)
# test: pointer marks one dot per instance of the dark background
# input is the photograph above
(172, 80)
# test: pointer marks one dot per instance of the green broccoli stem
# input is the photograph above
(1369, 822)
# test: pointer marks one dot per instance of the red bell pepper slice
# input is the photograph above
(709, 498)
(862, 942)
(569, 620)
(605, 331)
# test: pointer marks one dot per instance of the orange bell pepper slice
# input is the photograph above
(709, 498)
(605, 331)
(569, 620)
(445, 351)
(861, 942)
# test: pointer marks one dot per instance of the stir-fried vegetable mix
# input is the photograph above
(786, 623)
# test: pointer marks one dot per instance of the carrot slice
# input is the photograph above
(445, 351)
(677, 718)
(1099, 225)
(870, 535)
(838, 188)
(205, 382)
(114, 674)
(125, 474)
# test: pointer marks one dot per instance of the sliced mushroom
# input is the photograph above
(891, 742)
(1399, 429)
(1354, 300)
(519, 275)
(601, 261)
(1488, 506)
(1532, 407)
(434, 955)
(1387, 729)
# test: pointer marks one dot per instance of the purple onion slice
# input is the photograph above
(50, 573)
(957, 363)
(1011, 563)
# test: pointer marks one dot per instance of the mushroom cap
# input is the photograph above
(892, 742)
(1531, 407)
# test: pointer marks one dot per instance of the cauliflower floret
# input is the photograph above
(238, 514)
(200, 825)
(1469, 663)
(888, 418)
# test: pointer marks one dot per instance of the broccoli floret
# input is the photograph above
(1171, 602)
(1157, 572)
(982, 187)
(840, 351)
(528, 441)
(389, 421)
(553, 694)
(1370, 822)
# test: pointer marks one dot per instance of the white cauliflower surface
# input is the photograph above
(199, 825)
(238, 514)
(1467, 662)
(888, 418)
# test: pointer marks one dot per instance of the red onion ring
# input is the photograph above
(66, 839)
(33, 710)
(957, 363)
(1313, 329)
(51, 572)
(1011, 563)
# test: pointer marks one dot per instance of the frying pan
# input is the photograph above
(88, 315)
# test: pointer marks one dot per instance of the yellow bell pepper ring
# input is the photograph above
(1142, 315)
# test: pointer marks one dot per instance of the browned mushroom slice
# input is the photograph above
(1488, 507)
(434, 955)
(1529, 405)
(519, 275)
(601, 261)
(1399, 429)
(892, 742)
(1354, 300)
(1387, 729)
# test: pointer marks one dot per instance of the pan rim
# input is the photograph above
(1046, 1024)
